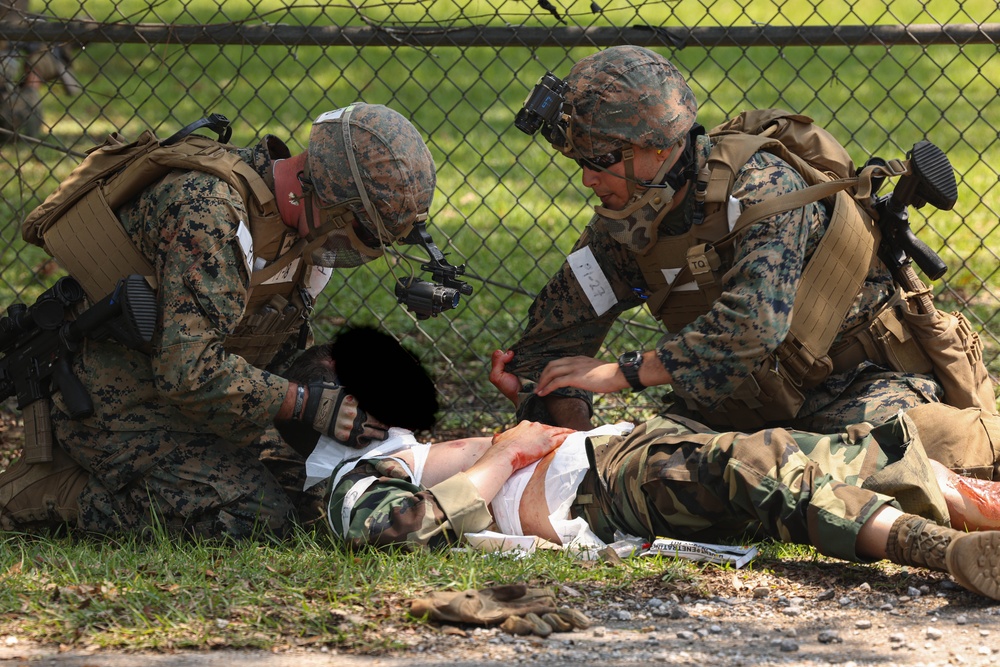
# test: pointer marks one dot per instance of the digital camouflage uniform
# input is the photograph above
(676, 478)
(19, 103)
(173, 433)
(719, 350)
(183, 437)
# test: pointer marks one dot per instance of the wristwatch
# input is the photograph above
(630, 363)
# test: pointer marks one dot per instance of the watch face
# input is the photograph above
(630, 357)
(629, 363)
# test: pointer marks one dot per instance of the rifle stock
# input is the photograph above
(930, 179)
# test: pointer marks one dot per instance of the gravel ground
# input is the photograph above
(805, 614)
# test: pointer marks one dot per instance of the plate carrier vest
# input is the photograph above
(831, 280)
(78, 226)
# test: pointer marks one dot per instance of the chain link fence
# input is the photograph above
(880, 76)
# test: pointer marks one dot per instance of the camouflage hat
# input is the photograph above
(396, 167)
(627, 95)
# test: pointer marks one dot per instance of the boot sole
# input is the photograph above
(974, 560)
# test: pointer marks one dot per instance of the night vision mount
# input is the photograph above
(428, 299)
(543, 109)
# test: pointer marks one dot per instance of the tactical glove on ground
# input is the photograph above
(486, 606)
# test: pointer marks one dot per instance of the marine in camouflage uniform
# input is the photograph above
(176, 435)
(23, 69)
(19, 102)
(631, 97)
(173, 433)
(673, 477)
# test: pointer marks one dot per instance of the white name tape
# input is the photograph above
(733, 211)
(245, 239)
(331, 116)
(592, 279)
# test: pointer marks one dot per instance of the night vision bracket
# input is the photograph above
(543, 109)
(428, 299)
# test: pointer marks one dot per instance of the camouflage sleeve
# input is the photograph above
(377, 503)
(203, 279)
(562, 320)
(710, 357)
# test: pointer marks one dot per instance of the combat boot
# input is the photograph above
(41, 495)
(973, 559)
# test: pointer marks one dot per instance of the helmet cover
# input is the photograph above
(396, 168)
(627, 95)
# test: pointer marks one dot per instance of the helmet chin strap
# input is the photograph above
(383, 236)
(672, 178)
(628, 155)
(637, 199)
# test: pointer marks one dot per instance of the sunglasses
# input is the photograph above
(599, 162)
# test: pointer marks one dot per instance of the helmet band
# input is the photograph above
(353, 162)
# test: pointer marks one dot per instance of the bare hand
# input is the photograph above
(508, 383)
(512, 450)
(584, 373)
(529, 441)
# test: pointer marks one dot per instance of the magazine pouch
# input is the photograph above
(956, 352)
(889, 342)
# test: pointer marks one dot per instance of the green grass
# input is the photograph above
(162, 594)
(505, 207)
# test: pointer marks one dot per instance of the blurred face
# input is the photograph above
(610, 184)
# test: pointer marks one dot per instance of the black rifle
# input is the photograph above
(37, 345)
(929, 179)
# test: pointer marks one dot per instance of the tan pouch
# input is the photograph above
(780, 399)
(889, 343)
(766, 396)
(956, 352)
(966, 441)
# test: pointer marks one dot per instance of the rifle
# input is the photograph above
(38, 342)
(929, 179)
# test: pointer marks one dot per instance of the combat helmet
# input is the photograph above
(626, 95)
(370, 159)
